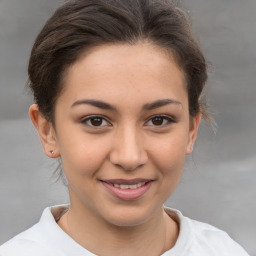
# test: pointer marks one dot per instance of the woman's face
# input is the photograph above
(122, 131)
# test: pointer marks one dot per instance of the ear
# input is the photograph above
(46, 132)
(194, 124)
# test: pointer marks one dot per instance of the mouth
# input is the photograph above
(127, 189)
(123, 186)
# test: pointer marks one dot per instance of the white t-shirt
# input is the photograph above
(46, 238)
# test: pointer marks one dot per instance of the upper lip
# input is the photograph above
(126, 182)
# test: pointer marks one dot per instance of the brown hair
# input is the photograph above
(81, 24)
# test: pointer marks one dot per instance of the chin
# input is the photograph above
(129, 216)
(126, 221)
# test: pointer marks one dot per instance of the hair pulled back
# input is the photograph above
(81, 24)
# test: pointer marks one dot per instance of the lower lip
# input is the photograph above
(127, 194)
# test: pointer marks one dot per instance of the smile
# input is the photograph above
(127, 189)
(123, 186)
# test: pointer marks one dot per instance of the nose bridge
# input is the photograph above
(128, 149)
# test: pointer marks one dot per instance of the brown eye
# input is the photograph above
(96, 121)
(158, 120)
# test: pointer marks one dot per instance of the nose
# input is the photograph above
(128, 150)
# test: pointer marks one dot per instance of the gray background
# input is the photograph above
(218, 185)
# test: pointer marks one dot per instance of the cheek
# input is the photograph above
(169, 151)
(82, 155)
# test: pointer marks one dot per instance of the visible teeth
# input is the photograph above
(122, 186)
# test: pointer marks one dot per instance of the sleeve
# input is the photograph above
(213, 241)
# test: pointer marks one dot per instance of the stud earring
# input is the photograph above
(52, 152)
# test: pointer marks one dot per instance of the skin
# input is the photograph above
(126, 143)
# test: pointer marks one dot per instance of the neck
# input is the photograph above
(153, 237)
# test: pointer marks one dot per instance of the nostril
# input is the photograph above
(128, 163)
(128, 150)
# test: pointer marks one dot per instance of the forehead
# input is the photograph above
(123, 70)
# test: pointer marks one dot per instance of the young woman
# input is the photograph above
(118, 98)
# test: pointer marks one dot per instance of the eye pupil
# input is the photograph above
(96, 121)
(157, 120)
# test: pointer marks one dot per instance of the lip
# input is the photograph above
(127, 194)
(126, 182)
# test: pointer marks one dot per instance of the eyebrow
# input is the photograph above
(107, 106)
(160, 103)
(95, 103)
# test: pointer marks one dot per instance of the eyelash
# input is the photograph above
(90, 118)
(166, 119)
